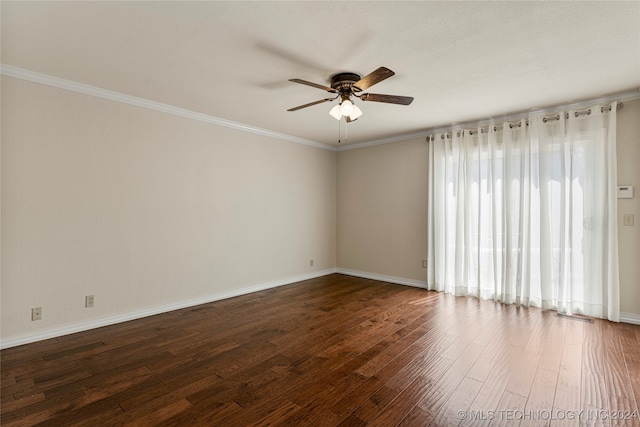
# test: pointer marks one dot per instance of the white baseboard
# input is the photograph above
(119, 318)
(383, 278)
(624, 317)
(630, 318)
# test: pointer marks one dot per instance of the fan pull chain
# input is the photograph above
(346, 126)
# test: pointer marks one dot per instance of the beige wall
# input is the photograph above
(145, 209)
(382, 209)
(382, 202)
(628, 139)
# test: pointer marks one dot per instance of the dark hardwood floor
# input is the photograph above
(336, 350)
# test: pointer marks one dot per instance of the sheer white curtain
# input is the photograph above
(526, 212)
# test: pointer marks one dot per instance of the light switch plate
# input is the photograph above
(628, 219)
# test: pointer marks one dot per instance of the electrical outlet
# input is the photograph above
(36, 313)
(310, 263)
(424, 263)
(89, 301)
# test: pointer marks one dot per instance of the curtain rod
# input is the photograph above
(581, 113)
(485, 128)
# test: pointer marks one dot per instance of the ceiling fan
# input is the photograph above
(350, 85)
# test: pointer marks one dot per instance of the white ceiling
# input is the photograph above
(462, 61)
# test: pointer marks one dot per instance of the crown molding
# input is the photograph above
(398, 138)
(619, 97)
(35, 77)
(513, 117)
(85, 89)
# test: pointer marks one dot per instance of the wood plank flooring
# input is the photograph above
(332, 351)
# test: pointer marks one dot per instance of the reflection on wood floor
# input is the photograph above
(337, 350)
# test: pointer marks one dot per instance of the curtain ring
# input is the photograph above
(578, 114)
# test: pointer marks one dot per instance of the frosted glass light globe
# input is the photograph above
(346, 107)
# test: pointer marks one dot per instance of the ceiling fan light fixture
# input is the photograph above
(348, 86)
(356, 113)
(336, 112)
(346, 107)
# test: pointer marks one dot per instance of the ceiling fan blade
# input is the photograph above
(304, 82)
(391, 99)
(349, 119)
(372, 78)
(310, 104)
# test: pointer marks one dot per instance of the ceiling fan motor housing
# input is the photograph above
(343, 82)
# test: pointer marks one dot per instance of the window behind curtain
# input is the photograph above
(526, 213)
